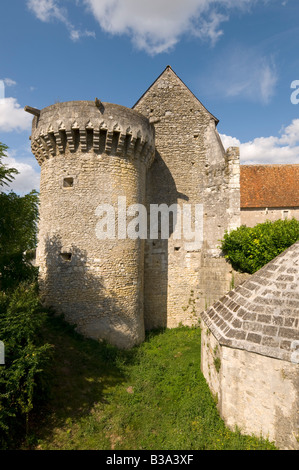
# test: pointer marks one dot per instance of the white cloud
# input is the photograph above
(9, 82)
(263, 150)
(48, 10)
(290, 134)
(209, 28)
(27, 179)
(6, 82)
(153, 25)
(13, 117)
(268, 80)
(248, 74)
(157, 25)
(229, 141)
(76, 34)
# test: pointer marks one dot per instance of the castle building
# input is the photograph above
(164, 154)
(133, 205)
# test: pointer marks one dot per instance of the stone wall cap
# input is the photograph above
(262, 314)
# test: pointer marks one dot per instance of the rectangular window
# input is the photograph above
(66, 256)
(68, 182)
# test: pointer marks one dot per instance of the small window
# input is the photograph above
(68, 182)
(66, 256)
(177, 248)
(285, 214)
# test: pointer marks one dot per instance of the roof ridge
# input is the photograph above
(168, 67)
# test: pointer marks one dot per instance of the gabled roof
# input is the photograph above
(269, 186)
(168, 68)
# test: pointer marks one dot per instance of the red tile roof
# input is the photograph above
(269, 185)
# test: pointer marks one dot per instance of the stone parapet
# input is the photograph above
(87, 125)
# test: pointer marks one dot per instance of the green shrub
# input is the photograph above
(18, 233)
(21, 321)
(250, 248)
(21, 315)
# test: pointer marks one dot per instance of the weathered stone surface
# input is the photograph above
(90, 156)
(191, 167)
(164, 151)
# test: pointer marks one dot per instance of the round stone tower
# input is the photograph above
(93, 158)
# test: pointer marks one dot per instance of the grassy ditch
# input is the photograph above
(153, 397)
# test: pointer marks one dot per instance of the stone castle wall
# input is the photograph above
(191, 167)
(253, 216)
(255, 393)
(91, 156)
(164, 151)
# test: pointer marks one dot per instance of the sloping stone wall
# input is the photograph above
(250, 352)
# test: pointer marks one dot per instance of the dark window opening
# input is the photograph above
(66, 256)
(68, 182)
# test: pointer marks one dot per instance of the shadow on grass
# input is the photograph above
(79, 376)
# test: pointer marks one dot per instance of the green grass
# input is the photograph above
(153, 397)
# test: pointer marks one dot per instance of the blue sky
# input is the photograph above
(239, 57)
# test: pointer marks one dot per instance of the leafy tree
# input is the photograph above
(250, 248)
(18, 230)
(18, 233)
(21, 383)
(21, 314)
(6, 174)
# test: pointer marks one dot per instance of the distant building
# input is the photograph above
(268, 192)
